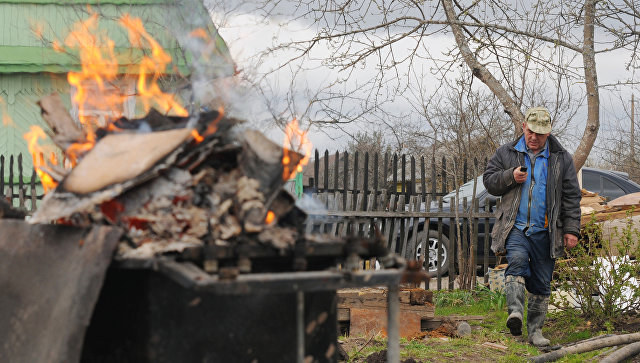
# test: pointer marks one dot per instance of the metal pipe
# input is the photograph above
(300, 326)
(393, 336)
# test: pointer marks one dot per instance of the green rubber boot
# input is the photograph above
(538, 305)
(514, 289)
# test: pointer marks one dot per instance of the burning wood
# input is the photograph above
(172, 188)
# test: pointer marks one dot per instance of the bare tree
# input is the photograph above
(374, 51)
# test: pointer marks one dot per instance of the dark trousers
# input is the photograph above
(530, 257)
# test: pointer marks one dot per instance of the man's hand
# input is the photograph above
(570, 241)
(519, 176)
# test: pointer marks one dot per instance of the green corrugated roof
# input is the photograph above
(22, 51)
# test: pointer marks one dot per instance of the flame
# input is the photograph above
(213, 125)
(149, 90)
(196, 136)
(294, 136)
(270, 217)
(35, 149)
(97, 96)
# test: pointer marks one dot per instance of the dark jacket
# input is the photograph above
(563, 194)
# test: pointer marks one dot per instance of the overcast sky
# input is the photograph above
(247, 35)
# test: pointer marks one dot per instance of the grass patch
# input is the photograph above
(561, 328)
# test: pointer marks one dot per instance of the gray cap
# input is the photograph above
(538, 119)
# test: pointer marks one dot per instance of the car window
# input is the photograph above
(466, 190)
(591, 182)
(611, 190)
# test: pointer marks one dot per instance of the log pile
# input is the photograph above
(594, 206)
(171, 182)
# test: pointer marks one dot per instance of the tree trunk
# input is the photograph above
(591, 81)
(481, 72)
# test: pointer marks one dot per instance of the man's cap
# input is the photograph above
(538, 119)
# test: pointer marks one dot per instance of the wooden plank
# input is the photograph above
(439, 253)
(452, 244)
(337, 204)
(20, 182)
(326, 174)
(487, 209)
(433, 176)
(336, 171)
(32, 190)
(413, 201)
(375, 177)
(316, 171)
(356, 169)
(423, 182)
(388, 220)
(404, 174)
(365, 182)
(396, 224)
(345, 182)
(395, 174)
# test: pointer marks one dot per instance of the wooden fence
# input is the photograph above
(20, 187)
(398, 214)
(401, 223)
(398, 174)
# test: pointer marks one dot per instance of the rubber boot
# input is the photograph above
(514, 289)
(537, 312)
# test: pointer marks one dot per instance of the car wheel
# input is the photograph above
(430, 237)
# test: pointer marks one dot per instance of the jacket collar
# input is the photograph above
(552, 143)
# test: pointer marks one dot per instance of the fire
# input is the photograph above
(295, 138)
(99, 95)
(196, 136)
(270, 217)
(35, 149)
(149, 90)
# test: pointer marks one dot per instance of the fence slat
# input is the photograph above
(345, 181)
(365, 181)
(397, 222)
(325, 178)
(2, 176)
(355, 171)
(439, 252)
(487, 209)
(452, 245)
(316, 171)
(336, 171)
(395, 174)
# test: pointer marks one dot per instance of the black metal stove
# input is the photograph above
(244, 302)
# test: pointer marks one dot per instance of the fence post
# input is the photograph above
(365, 182)
(355, 172)
(336, 171)
(316, 170)
(423, 182)
(345, 182)
(395, 174)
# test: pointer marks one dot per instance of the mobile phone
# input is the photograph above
(523, 169)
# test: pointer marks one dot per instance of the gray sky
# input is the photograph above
(247, 35)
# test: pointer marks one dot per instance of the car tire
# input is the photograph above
(430, 237)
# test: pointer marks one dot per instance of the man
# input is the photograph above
(538, 218)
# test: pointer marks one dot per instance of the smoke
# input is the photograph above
(205, 53)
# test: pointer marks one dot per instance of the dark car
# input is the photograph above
(607, 183)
